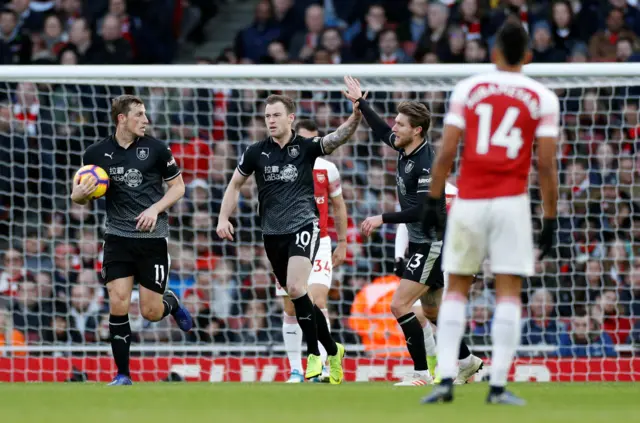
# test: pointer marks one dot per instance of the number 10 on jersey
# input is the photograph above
(506, 135)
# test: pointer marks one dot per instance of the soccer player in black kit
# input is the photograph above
(135, 248)
(283, 167)
(422, 277)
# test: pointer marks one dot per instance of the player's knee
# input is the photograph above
(399, 308)
(152, 313)
(118, 302)
(296, 291)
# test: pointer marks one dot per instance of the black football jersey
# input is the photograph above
(284, 177)
(136, 181)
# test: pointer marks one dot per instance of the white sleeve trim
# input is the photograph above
(241, 172)
(174, 176)
(454, 120)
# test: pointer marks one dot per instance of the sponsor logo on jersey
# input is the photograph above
(409, 166)
(171, 162)
(133, 178)
(294, 151)
(424, 180)
(142, 153)
(319, 200)
(288, 173)
(115, 171)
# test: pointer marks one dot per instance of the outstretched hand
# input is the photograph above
(353, 91)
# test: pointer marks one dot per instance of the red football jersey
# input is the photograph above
(501, 114)
(326, 184)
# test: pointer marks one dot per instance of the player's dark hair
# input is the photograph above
(513, 41)
(308, 124)
(289, 105)
(122, 105)
(418, 114)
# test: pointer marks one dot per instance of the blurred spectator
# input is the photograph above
(410, 32)
(251, 43)
(602, 45)
(83, 312)
(608, 313)
(331, 41)
(90, 50)
(541, 327)
(390, 51)
(543, 49)
(365, 45)
(117, 49)
(565, 29)
(304, 42)
(434, 39)
(585, 339)
(18, 45)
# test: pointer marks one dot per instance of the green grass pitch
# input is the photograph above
(310, 403)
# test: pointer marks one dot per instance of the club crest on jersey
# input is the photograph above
(321, 177)
(409, 166)
(142, 153)
(294, 151)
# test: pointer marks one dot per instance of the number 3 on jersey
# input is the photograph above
(506, 135)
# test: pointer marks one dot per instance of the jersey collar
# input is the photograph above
(291, 140)
(420, 147)
(112, 138)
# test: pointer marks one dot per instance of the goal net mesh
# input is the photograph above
(581, 312)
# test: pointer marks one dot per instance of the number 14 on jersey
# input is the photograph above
(506, 135)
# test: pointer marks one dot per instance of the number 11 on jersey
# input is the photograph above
(506, 135)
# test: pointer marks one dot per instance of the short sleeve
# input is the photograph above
(314, 148)
(549, 123)
(424, 183)
(88, 158)
(247, 162)
(335, 188)
(167, 164)
(455, 114)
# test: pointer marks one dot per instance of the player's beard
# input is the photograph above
(402, 142)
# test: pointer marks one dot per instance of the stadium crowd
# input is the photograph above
(584, 300)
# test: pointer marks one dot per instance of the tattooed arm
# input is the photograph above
(341, 135)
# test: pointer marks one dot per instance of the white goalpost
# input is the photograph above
(53, 305)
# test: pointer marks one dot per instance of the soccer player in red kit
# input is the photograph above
(497, 116)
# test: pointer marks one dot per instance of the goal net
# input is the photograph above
(581, 311)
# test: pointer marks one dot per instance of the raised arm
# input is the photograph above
(379, 127)
(341, 135)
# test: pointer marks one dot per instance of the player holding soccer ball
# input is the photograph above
(498, 116)
(327, 187)
(137, 223)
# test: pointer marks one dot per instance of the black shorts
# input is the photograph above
(146, 259)
(425, 265)
(279, 248)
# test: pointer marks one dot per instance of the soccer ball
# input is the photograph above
(98, 173)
